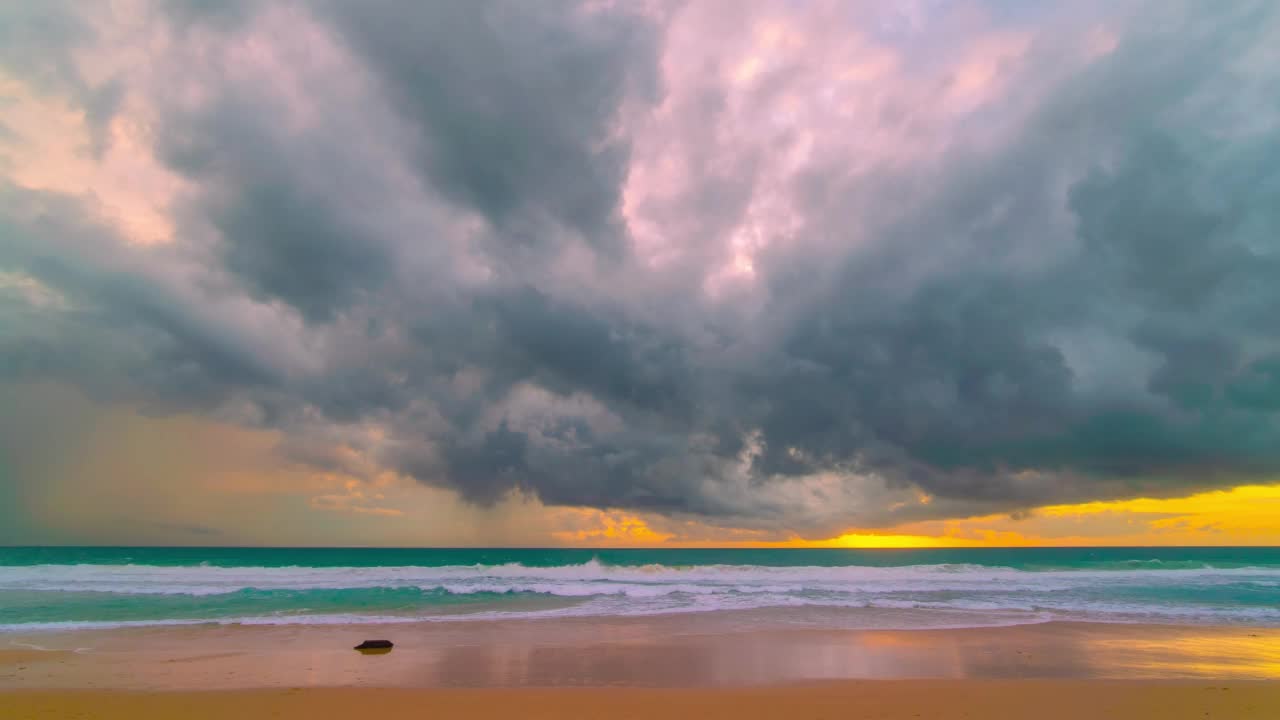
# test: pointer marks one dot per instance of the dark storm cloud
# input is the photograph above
(569, 348)
(113, 325)
(431, 243)
(271, 200)
(512, 103)
(956, 378)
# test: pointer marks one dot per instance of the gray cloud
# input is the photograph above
(511, 105)
(35, 40)
(432, 242)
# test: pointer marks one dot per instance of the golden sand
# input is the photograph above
(24, 657)
(655, 669)
(864, 700)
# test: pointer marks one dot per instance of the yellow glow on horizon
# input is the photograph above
(875, 540)
(610, 528)
(1245, 499)
(1244, 515)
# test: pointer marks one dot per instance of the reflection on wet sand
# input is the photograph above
(1244, 653)
(668, 651)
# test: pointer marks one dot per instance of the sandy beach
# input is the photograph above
(882, 700)
(713, 650)
(623, 668)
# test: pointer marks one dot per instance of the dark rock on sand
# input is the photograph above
(375, 645)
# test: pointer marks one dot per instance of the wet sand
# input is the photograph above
(666, 651)
(644, 667)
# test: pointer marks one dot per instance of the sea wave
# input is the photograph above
(33, 596)
(594, 577)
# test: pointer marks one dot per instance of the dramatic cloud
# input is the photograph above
(785, 266)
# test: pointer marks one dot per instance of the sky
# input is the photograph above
(643, 272)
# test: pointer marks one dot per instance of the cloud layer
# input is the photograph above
(784, 266)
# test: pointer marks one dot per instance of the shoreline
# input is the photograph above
(652, 652)
(639, 668)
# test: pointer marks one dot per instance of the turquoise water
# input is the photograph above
(91, 587)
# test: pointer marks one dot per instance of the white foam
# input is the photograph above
(594, 578)
(594, 588)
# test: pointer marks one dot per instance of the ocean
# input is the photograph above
(96, 587)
